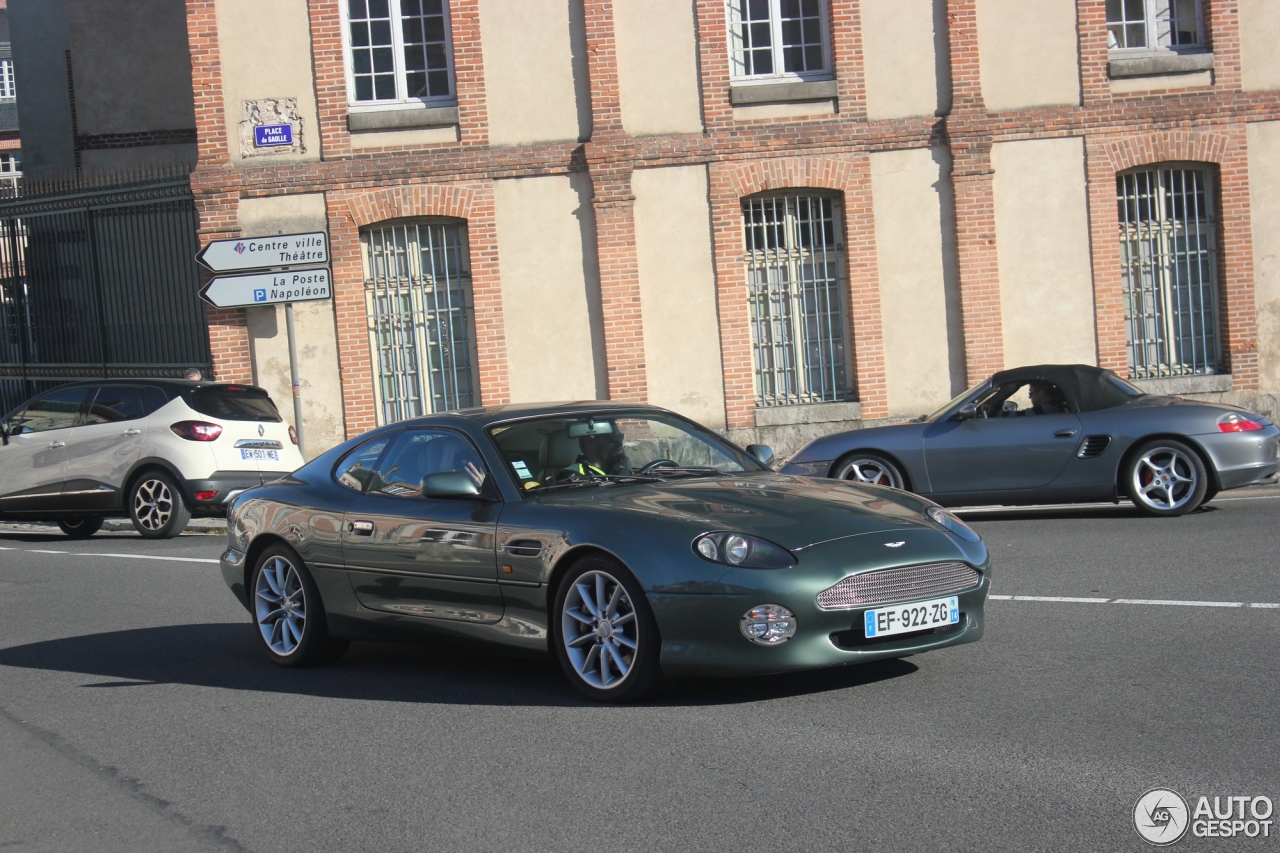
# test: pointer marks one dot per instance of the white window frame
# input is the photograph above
(1151, 20)
(402, 100)
(777, 47)
(8, 91)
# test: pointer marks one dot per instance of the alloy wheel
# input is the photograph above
(599, 630)
(280, 605)
(153, 504)
(872, 471)
(1165, 478)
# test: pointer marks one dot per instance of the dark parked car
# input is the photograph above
(1057, 434)
(626, 541)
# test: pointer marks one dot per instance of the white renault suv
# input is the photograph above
(156, 450)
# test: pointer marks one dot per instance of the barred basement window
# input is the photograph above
(778, 39)
(10, 174)
(795, 285)
(1168, 249)
(421, 317)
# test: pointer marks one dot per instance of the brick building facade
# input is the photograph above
(638, 207)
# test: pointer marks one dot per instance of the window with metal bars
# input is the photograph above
(421, 317)
(795, 286)
(1168, 251)
(777, 39)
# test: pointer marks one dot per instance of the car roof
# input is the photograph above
(175, 384)
(1089, 386)
(484, 416)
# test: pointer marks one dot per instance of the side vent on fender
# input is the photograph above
(1093, 445)
(524, 548)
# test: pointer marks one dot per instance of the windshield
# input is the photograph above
(612, 447)
(955, 401)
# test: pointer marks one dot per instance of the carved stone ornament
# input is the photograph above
(269, 112)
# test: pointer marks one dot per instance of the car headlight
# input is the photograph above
(953, 524)
(741, 550)
(768, 624)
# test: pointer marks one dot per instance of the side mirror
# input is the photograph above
(761, 453)
(967, 412)
(449, 484)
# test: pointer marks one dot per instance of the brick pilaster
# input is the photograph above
(979, 265)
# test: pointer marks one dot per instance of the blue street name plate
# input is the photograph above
(269, 135)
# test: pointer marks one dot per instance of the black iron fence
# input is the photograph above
(99, 281)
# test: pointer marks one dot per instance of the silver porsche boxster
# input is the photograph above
(626, 541)
(1057, 434)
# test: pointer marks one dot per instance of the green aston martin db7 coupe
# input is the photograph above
(626, 541)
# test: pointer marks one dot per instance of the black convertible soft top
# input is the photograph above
(1091, 387)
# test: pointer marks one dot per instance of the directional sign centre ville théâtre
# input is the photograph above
(259, 253)
(284, 252)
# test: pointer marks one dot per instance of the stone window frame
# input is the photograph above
(740, 80)
(1155, 57)
(433, 110)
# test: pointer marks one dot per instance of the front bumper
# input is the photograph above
(231, 564)
(701, 633)
(1243, 458)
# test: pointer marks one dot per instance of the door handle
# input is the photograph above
(1064, 433)
(132, 432)
(361, 528)
(56, 444)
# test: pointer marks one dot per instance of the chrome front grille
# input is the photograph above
(903, 584)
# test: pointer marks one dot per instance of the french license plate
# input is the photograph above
(904, 618)
(259, 455)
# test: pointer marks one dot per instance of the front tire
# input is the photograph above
(868, 467)
(1166, 478)
(288, 614)
(157, 507)
(80, 526)
(605, 636)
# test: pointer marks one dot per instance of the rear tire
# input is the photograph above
(869, 467)
(157, 507)
(80, 526)
(288, 615)
(1166, 478)
(604, 633)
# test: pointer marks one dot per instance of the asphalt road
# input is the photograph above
(136, 714)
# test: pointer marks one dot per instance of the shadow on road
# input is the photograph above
(225, 656)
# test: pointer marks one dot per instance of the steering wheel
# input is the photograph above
(658, 463)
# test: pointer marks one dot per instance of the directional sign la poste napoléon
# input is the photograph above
(256, 253)
(267, 288)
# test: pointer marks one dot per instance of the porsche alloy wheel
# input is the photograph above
(608, 643)
(1167, 478)
(870, 468)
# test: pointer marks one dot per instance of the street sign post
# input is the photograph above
(268, 288)
(283, 287)
(261, 253)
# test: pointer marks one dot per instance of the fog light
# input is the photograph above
(206, 496)
(768, 624)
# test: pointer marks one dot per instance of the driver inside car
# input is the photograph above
(602, 454)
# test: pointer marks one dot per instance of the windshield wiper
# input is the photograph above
(687, 472)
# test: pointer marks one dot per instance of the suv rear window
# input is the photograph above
(234, 403)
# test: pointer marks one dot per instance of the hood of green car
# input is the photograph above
(794, 512)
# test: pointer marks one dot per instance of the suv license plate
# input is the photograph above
(258, 455)
(904, 618)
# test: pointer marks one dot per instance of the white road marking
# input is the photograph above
(966, 510)
(1264, 605)
(121, 556)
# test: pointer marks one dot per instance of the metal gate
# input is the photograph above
(99, 282)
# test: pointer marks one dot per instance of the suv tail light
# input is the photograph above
(293, 435)
(197, 430)
(1236, 422)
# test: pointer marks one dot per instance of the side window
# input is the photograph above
(420, 452)
(357, 467)
(114, 403)
(1024, 399)
(52, 411)
(152, 399)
